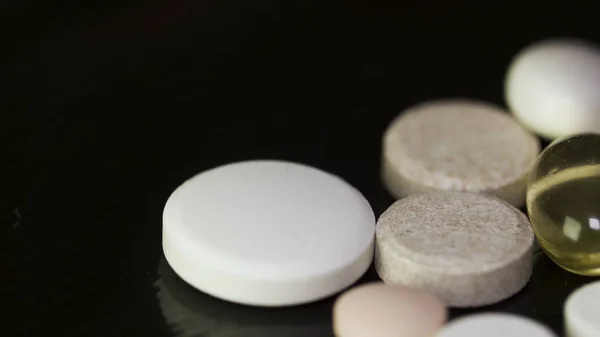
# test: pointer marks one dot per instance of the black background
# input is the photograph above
(108, 106)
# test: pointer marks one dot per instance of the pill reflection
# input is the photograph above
(189, 312)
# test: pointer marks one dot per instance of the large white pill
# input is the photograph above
(582, 312)
(380, 310)
(552, 87)
(467, 249)
(458, 145)
(268, 233)
(495, 325)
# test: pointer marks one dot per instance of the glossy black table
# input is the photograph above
(110, 106)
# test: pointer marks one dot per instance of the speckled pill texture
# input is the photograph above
(468, 249)
(458, 145)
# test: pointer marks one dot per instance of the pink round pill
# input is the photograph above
(380, 310)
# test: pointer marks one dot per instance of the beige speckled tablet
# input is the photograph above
(380, 310)
(468, 249)
(458, 145)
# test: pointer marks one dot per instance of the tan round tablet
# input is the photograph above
(458, 145)
(380, 310)
(468, 249)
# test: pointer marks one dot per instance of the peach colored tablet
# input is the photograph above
(380, 310)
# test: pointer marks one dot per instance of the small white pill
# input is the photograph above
(458, 145)
(380, 310)
(552, 87)
(582, 312)
(467, 249)
(268, 233)
(495, 325)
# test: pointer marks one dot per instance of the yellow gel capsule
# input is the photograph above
(563, 201)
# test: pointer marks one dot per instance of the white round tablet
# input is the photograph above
(467, 249)
(268, 233)
(380, 310)
(582, 312)
(458, 145)
(495, 325)
(552, 87)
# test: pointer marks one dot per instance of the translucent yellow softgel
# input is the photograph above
(563, 201)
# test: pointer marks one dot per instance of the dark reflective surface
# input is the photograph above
(191, 313)
(543, 297)
(188, 312)
(109, 106)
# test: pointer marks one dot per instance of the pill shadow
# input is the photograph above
(189, 312)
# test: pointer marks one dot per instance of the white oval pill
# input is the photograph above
(268, 233)
(495, 325)
(582, 312)
(380, 310)
(467, 249)
(552, 87)
(458, 145)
